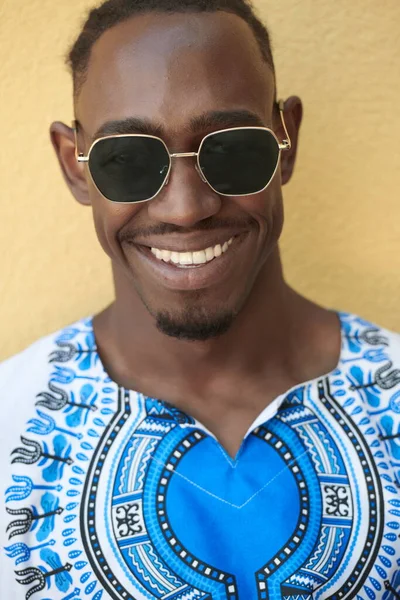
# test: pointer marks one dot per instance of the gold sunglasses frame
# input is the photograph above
(284, 145)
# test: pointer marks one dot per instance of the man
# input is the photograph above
(211, 434)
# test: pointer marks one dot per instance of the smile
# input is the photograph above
(196, 269)
(191, 259)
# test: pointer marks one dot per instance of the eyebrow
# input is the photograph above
(203, 122)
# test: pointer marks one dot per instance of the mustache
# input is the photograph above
(210, 224)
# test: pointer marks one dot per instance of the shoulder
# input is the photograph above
(25, 362)
(359, 332)
(392, 343)
(24, 373)
(32, 359)
(371, 365)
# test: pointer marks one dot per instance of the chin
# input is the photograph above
(194, 325)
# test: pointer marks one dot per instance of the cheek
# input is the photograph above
(266, 207)
(109, 220)
(274, 212)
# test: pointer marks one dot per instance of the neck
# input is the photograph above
(263, 338)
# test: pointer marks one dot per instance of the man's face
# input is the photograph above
(173, 71)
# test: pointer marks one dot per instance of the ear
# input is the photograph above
(293, 114)
(63, 139)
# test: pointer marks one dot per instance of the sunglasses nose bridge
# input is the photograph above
(187, 155)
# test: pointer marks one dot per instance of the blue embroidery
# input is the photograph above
(130, 498)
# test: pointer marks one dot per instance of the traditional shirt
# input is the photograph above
(112, 495)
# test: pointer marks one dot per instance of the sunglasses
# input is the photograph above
(130, 168)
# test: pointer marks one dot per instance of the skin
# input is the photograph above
(169, 70)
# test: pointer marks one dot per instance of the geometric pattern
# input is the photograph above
(117, 495)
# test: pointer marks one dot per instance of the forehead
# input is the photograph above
(171, 68)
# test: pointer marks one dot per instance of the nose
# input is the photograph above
(186, 199)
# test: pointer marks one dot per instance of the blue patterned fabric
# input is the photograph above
(114, 495)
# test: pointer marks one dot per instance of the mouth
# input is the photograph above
(190, 260)
(192, 270)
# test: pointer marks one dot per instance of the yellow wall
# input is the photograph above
(342, 239)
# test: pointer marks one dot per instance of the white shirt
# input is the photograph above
(112, 495)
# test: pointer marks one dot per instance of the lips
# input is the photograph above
(189, 242)
(193, 277)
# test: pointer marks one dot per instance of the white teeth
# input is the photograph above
(209, 254)
(199, 257)
(175, 257)
(185, 258)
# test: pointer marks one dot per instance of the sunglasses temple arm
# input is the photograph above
(80, 157)
(286, 144)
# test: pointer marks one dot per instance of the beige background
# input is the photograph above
(341, 244)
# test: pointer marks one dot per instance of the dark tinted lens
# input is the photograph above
(129, 169)
(239, 161)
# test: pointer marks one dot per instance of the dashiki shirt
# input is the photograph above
(111, 495)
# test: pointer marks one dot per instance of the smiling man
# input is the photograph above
(211, 434)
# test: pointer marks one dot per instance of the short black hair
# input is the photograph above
(112, 12)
